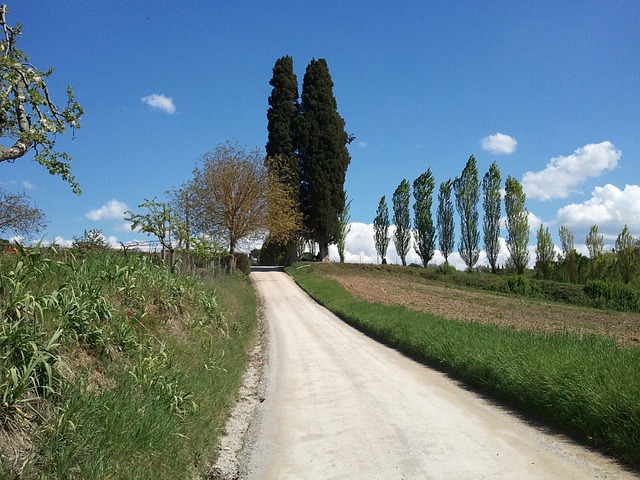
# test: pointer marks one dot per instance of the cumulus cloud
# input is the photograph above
(360, 248)
(161, 102)
(499, 144)
(563, 175)
(111, 210)
(609, 208)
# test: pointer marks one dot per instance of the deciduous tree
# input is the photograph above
(424, 231)
(322, 142)
(545, 252)
(595, 245)
(569, 254)
(467, 191)
(345, 228)
(402, 219)
(231, 186)
(627, 253)
(446, 226)
(517, 224)
(160, 220)
(18, 216)
(29, 118)
(381, 229)
(491, 202)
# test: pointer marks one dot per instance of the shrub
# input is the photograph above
(615, 296)
(243, 262)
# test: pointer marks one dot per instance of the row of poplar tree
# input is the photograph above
(622, 264)
(307, 151)
(466, 192)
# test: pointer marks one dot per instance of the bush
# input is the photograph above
(615, 296)
(243, 262)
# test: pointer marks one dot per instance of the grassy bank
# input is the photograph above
(588, 386)
(113, 367)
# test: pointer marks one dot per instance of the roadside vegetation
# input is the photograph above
(586, 385)
(113, 366)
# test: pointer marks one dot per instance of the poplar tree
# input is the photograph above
(381, 229)
(324, 157)
(517, 224)
(424, 232)
(446, 226)
(570, 257)
(544, 252)
(467, 191)
(627, 253)
(402, 219)
(345, 228)
(491, 204)
(595, 244)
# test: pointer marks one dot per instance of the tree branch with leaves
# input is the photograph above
(29, 118)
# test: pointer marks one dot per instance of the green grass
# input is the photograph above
(142, 371)
(587, 386)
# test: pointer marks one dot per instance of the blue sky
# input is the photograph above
(548, 90)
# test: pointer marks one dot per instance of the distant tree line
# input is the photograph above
(621, 264)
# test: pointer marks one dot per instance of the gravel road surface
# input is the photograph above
(338, 405)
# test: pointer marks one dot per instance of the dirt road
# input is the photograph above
(338, 405)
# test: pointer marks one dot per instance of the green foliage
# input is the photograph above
(586, 385)
(28, 116)
(614, 296)
(152, 363)
(273, 253)
(91, 241)
(324, 158)
(517, 224)
(425, 232)
(467, 191)
(545, 252)
(281, 117)
(595, 244)
(344, 218)
(243, 262)
(446, 227)
(402, 219)
(491, 200)
(628, 255)
(381, 229)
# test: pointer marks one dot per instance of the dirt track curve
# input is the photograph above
(338, 405)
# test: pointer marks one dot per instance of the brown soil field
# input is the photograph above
(416, 293)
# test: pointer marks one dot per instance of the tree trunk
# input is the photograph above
(323, 254)
(293, 251)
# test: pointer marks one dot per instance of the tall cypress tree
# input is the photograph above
(324, 157)
(282, 160)
(283, 110)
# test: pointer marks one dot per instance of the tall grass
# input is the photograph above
(115, 367)
(586, 385)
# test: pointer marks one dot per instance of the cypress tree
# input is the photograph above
(283, 110)
(324, 157)
(282, 160)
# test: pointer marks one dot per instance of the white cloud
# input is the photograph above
(28, 185)
(609, 208)
(499, 144)
(362, 145)
(112, 210)
(161, 102)
(563, 175)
